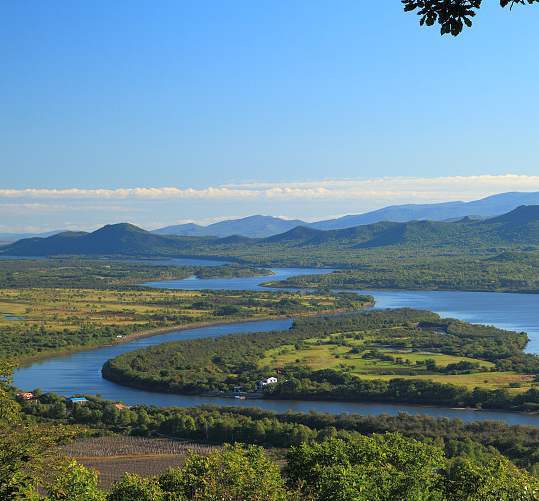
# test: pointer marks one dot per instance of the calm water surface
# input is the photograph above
(236, 284)
(81, 372)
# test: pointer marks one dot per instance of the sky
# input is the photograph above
(196, 110)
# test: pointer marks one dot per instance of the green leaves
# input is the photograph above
(393, 467)
(505, 3)
(75, 482)
(451, 15)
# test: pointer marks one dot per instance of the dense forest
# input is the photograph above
(503, 272)
(240, 361)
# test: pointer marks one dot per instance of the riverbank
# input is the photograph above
(345, 358)
(285, 285)
(247, 397)
(26, 361)
(512, 312)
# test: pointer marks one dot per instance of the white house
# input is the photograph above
(265, 382)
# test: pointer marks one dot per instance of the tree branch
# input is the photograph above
(452, 15)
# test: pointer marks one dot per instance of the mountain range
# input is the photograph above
(252, 226)
(518, 227)
(265, 226)
(259, 226)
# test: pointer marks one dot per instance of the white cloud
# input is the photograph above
(50, 209)
(386, 189)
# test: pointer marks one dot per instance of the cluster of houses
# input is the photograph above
(238, 391)
(28, 395)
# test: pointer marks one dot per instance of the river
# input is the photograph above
(81, 372)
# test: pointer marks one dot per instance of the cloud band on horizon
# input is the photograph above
(32, 209)
(422, 188)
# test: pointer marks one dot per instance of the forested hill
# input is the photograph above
(123, 238)
(518, 227)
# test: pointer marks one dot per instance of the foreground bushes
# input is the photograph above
(381, 467)
(220, 425)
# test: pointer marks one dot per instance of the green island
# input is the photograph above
(391, 355)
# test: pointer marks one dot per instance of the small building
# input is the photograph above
(265, 382)
(120, 406)
(237, 389)
(25, 395)
(77, 400)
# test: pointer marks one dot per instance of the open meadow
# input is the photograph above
(35, 321)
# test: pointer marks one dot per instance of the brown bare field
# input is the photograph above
(113, 456)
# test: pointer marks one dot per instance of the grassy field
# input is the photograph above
(66, 307)
(37, 320)
(486, 380)
(348, 353)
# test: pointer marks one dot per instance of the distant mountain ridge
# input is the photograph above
(13, 237)
(252, 226)
(266, 226)
(520, 226)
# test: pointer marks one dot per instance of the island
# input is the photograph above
(401, 355)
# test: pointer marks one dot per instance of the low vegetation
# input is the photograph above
(330, 459)
(38, 321)
(104, 273)
(112, 456)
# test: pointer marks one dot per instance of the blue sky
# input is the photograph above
(209, 94)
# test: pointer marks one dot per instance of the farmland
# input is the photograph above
(113, 456)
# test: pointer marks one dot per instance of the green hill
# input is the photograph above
(122, 238)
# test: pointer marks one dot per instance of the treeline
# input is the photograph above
(328, 384)
(219, 425)
(210, 365)
(507, 272)
(29, 340)
(84, 273)
(231, 271)
(104, 273)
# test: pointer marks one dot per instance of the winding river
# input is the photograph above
(81, 372)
